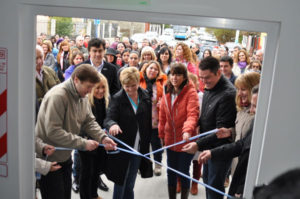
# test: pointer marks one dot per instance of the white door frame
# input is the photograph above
(27, 23)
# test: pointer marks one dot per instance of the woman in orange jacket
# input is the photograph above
(153, 79)
(178, 116)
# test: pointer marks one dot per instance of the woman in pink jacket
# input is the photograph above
(183, 54)
(178, 116)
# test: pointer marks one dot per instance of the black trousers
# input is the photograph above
(91, 165)
(156, 144)
(57, 184)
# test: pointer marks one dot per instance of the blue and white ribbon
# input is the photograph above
(183, 141)
(179, 173)
(134, 152)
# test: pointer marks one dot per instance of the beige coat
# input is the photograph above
(63, 113)
(242, 125)
(41, 166)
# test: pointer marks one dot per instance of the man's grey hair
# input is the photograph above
(79, 38)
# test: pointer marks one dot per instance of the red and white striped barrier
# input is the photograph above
(3, 113)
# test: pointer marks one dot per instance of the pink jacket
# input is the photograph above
(193, 69)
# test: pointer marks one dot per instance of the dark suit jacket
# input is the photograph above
(110, 72)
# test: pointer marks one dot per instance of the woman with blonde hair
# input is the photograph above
(49, 59)
(147, 54)
(92, 161)
(183, 54)
(63, 57)
(129, 120)
(153, 79)
(244, 84)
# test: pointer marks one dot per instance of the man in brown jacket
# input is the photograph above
(45, 77)
(63, 113)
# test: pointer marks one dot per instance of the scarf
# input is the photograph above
(149, 83)
(242, 64)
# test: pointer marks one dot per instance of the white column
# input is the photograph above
(89, 27)
(53, 26)
(237, 34)
(109, 31)
(102, 29)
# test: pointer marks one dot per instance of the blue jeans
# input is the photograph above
(181, 162)
(214, 174)
(156, 144)
(76, 166)
(125, 191)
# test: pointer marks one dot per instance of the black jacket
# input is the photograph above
(60, 71)
(99, 111)
(240, 149)
(120, 112)
(218, 110)
(110, 72)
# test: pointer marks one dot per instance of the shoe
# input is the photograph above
(98, 197)
(226, 183)
(102, 185)
(178, 187)
(194, 189)
(75, 186)
(157, 170)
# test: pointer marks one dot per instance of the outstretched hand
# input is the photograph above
(48, 150)
(109, 144)
(223, 133)
(115, 130)
(190, 148)
(91, 145)
(186, 136)
(54, 166)
(204, 156)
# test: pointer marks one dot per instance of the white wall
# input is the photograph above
(276, 125)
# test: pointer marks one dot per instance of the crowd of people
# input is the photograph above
(156, 95)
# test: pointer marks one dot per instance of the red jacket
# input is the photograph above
(181, 118)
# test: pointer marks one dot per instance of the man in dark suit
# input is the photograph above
(96, 48)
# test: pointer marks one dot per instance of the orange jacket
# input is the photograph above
(180, 118)
(160, 81)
